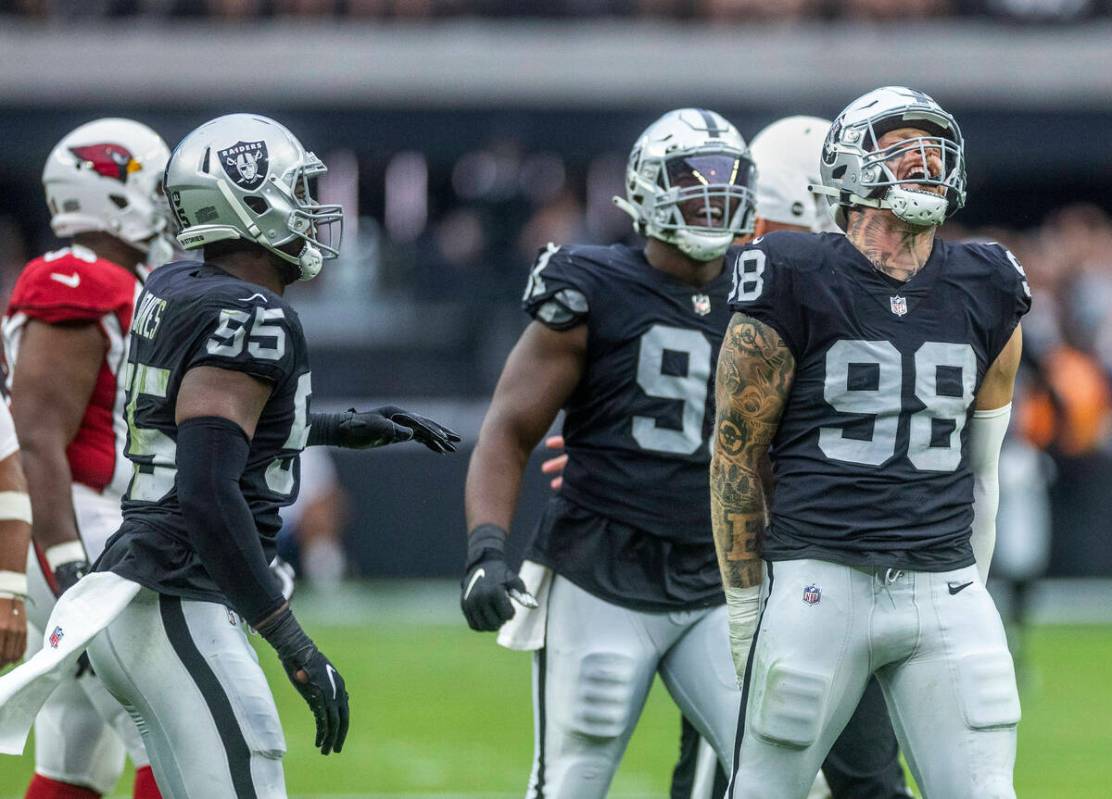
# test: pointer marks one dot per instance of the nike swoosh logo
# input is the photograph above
(73, 281)
(253, 296)
(331, 678)
(478, 575)
(955, 588)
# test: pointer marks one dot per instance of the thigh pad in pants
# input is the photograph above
(604, 695)
(986, 683)
(789, 705)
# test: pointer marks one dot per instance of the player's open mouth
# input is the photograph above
(710, 214)
(919, 173)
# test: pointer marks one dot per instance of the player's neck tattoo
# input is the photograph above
(896, 248)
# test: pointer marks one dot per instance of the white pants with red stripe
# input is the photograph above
(82, 734)
(934, 641)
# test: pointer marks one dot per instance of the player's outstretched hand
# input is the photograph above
(555, 465)
(391, 425)
(488, 583)
(423, 430)
(314, 677)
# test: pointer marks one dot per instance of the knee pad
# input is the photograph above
(604, 694)
(986, 684)
(789, 706)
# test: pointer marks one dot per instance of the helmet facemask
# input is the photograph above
(938, 162)
(703, 202)
(691, 183)
(318, 225)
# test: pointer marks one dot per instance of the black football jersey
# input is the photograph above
(638, 424)
(192, 314)
(870, 456)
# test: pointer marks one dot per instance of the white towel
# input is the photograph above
(81, 612)
(525, 631)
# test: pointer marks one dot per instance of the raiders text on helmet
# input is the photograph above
(689, 182)
(106, 177)
(856, 173)
(243, 176)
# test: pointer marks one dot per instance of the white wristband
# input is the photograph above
(15, 506)
(743, 609)
(65, 553)
(13, 583)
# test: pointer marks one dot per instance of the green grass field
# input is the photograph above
(440, 710)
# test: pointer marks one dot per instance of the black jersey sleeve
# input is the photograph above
(1012, 291)
(558, 291)
(764, 288)
(257, 335)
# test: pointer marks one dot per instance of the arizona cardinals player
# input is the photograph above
(66, 339)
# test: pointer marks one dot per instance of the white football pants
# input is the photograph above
(937, 646)
(592, 677)
(187, 674)
(82, 733)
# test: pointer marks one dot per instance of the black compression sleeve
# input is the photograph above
(324, 429)
(212, 454)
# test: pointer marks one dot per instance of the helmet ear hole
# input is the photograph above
(838, 172)
(118, 201)
(256, 204)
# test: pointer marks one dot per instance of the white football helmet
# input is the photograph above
(106, 176)
(787, 155)
(855, 173)
(244, 176)
(694, 161)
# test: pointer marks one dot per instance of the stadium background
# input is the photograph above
(464, 134)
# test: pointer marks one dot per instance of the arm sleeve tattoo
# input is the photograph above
(754, 377)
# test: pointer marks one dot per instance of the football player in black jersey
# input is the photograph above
(622, 564)
(876, 369)
(217, 411)
(864, 761)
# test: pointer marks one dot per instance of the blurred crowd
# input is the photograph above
(706, 10)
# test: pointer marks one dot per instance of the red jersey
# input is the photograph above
(74, 285)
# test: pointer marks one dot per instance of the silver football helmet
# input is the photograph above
(689, 183)
(787, 155)
(243, 176)
(856, 173)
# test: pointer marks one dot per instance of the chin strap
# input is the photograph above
(630, 209)
(914, 207)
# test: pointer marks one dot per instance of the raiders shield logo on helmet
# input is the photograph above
(246, 163)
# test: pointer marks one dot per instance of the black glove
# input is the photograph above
(314, 677)
(378, 428)
(422, 429)
(488, 583)
(66, 575)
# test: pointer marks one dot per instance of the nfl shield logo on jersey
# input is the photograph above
(56, 637)
(812, 594)
(701, 302)
(898, 305)
(246, 163)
